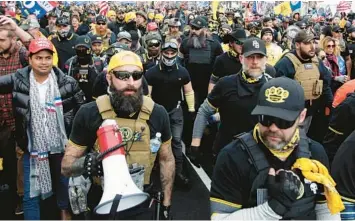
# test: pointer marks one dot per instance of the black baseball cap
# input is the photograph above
(238, 34)
(83, 40)
(253, 46)
(96, 39)
(101, 18)
(280, 97)
(303, 36)
(199, 22)
(336, 28)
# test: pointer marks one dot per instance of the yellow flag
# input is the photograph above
(283, 8)
(214, 8)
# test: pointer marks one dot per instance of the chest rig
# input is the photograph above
(135, 132)
(308, 76)
(302, 208)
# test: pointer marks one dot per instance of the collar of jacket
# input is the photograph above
(24, 75)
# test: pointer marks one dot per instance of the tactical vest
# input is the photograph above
(302, 207)
(308, 76)
(201, 55)
(135, 132)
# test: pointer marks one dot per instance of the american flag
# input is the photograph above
(344, 6)
(103, 8)
(257, 7)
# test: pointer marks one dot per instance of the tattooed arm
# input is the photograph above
(167, 171)
(73, 160)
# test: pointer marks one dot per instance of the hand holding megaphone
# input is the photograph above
(93, 165)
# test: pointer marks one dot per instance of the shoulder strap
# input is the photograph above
(315, 60)
(256, 155)
(147, 108)
(294, 60)
(105, 108)
(303, 149)
(22, 56)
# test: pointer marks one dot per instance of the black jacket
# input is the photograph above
(19, 84)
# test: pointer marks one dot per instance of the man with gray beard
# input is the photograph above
(262, 173)
(200, 51)
(235, 97)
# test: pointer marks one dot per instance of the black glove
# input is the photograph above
(194, 155)
(284, 192)
(165, 213)
(92, 165)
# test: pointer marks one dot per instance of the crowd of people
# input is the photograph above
(275, 94)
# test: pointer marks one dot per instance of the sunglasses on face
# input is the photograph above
(195, 28)
(154, 43)
(101, 23)
(124, 75)
(330, 46)
(267, 121)
(238, 42)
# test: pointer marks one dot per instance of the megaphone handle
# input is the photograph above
(101, 155)
(115, 203)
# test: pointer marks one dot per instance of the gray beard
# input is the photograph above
(195, 42)
(125, 105)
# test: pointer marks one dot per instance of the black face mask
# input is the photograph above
(131, 25)
(84, 56)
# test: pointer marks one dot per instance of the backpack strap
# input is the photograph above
(256, 155)
(147, 108)
(105, 108)
(303, 150)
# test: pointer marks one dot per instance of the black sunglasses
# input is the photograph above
(195, 28)
(125, 75)
(267, 121)
(238, 42)
(101, 23)
(154, 43)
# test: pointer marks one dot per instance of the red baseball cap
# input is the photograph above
(40, 44)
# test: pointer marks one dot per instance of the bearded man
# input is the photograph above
(234, 96)
(304, 66)
(108, 37)
(134, 112)
(200, 51)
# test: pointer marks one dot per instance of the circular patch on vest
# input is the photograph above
(126, 133)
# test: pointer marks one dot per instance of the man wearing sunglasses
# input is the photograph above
(108, 37)
(153, 42)
(234, 97)
(139, 119)
(344, 49)
(166, 81)
(253, 179)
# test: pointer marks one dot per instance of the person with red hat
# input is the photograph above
(44, 125)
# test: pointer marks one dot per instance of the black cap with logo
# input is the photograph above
(199, 22)
(253, 46)
(101, 18)
(238, 34)
(83, 40)
(280, 97)
(62, 21)
(96, 39)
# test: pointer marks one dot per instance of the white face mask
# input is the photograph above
(168, 61)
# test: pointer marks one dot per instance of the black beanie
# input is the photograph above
(267, 30)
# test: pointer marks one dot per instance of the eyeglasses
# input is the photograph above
(330, 46)
(101, 23)
(124, 75)
(195, 28)
(168, 45)
(153, 43)
(238, 42)
(267, 121)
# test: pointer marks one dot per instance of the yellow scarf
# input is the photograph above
(286, 150)
(315, 171)
(233, 53)
(250, 80)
